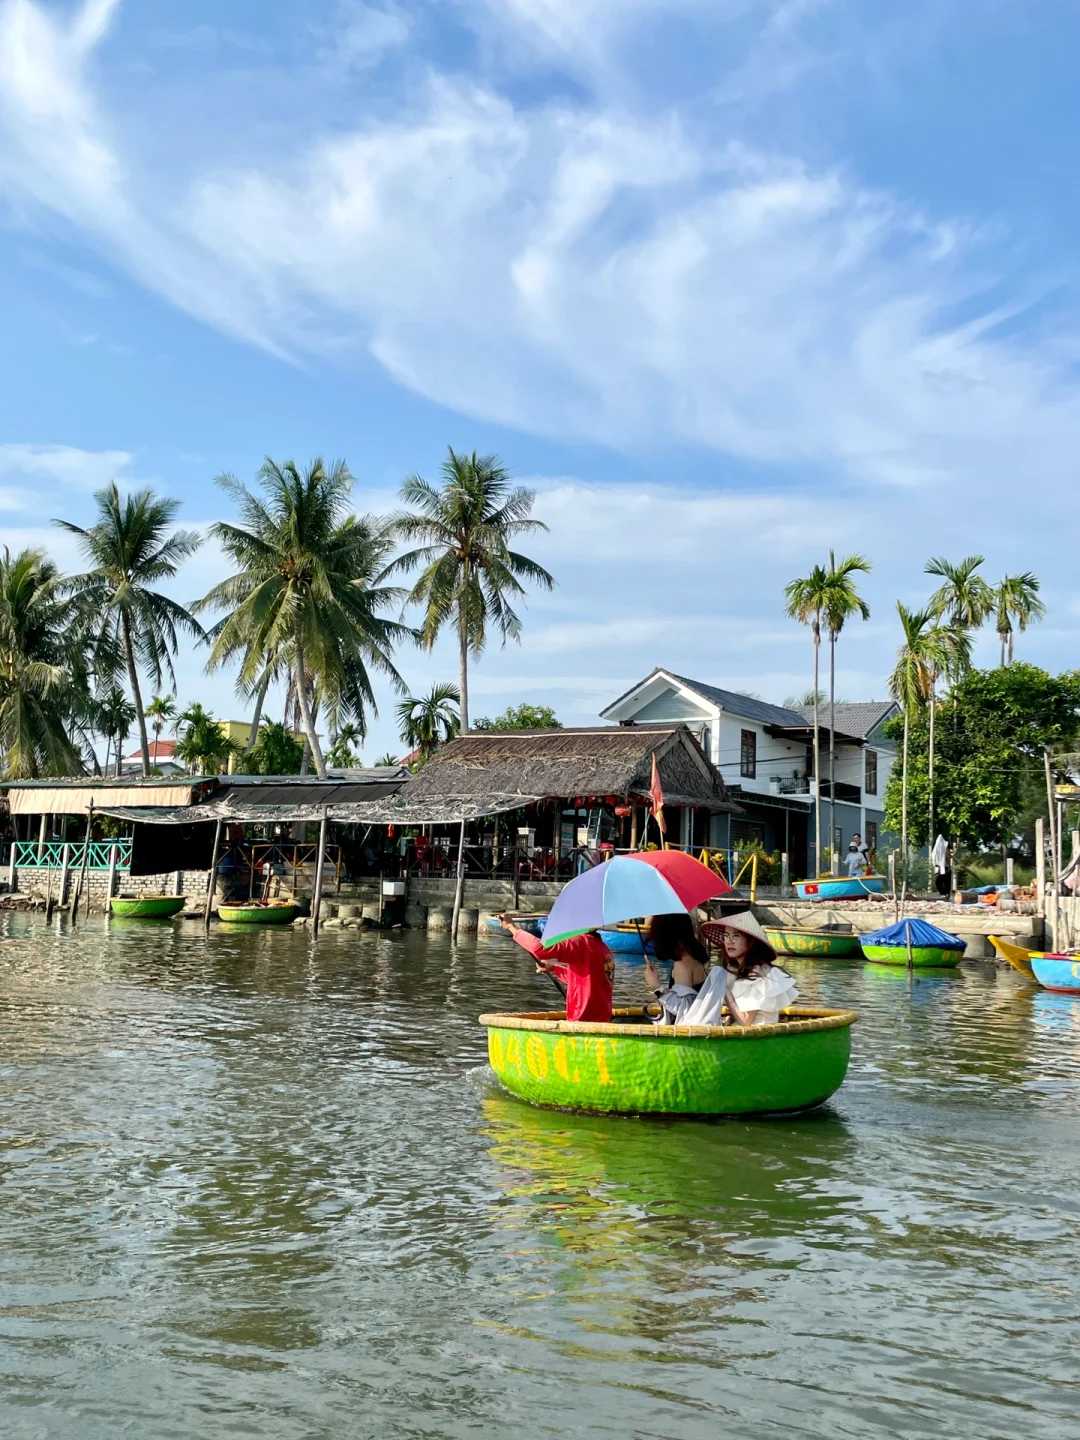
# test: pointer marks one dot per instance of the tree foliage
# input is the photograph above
(203, 745)
(469, 574)
(276, 751)
(427, 721)
(991, 733)
(41, 680)
(305, 592)
(521, 717)
(130, 553)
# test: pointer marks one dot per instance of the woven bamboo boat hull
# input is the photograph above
(637, 1069)
(1057, 972)
(821, 943)
(929, 956)
(147, 907)
(839, 888)
(258, 914)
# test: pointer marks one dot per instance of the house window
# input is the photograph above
(870, 838)
(748, 755)
(706, 742)
(871, 772)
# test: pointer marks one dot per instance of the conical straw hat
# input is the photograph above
(743, 920)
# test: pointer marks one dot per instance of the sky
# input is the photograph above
(726, 282)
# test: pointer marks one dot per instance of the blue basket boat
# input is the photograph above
(839, 887)
(912, 942)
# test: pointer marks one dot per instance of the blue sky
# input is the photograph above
(726, 281)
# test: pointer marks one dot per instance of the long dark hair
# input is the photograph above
(674, 934)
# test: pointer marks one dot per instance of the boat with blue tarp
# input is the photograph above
(912, 942)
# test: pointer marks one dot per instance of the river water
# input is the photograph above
(254, 1187)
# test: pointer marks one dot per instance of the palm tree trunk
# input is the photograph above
(817, 758)
(930, 771)
(903, 811)
(136, 694)
(305, 710)
(834, 865)
(256, 718)
(463, 675)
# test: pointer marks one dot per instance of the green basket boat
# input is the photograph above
(920, 956)
(639, 1068)
(913, 942)
(832, 944)
(147, 907)
(256, 913)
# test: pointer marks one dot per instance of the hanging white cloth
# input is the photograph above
(939, 856)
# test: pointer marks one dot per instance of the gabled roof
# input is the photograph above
(858, 718)
(749, 706)
(159, 750)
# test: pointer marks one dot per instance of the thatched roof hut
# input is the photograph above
(612, 760)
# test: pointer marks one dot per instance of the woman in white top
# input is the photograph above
(748, 981)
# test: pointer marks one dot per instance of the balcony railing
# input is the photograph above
(50, 854)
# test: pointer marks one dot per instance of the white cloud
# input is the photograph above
(364, 33)
(39, 466)
(570, 269)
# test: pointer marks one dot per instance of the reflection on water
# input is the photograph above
(256, 1186)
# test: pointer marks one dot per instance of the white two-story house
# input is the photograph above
(765, 754)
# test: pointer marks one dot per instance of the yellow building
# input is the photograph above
(239, 732)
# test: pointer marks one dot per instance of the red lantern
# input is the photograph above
(622, 810)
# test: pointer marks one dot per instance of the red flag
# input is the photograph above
(656, 795)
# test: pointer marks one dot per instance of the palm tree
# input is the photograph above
(964, 600)
(306, 592)
(842, 602)
(469, 574)
(159, 712)
(1016, 598)
(277, 751)
(204, 748)
(426, 721)
(129, 551)
(342, 756)
(929, 649)
(115, 717)
(806, 600)
(388, 759)
(39, 687)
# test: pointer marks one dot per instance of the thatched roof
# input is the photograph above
(542, 764)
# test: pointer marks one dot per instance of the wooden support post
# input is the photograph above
(11, 867)
(633, 828)
(65, 860)
(114, 856)
(82, 870)
(516, 867)
(316, 895)
(1040, 864)
(785, 873)
(48, 894)
(211, 881)
(1008, 870)
(41, 838)
(892, 884)
(460, 887)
